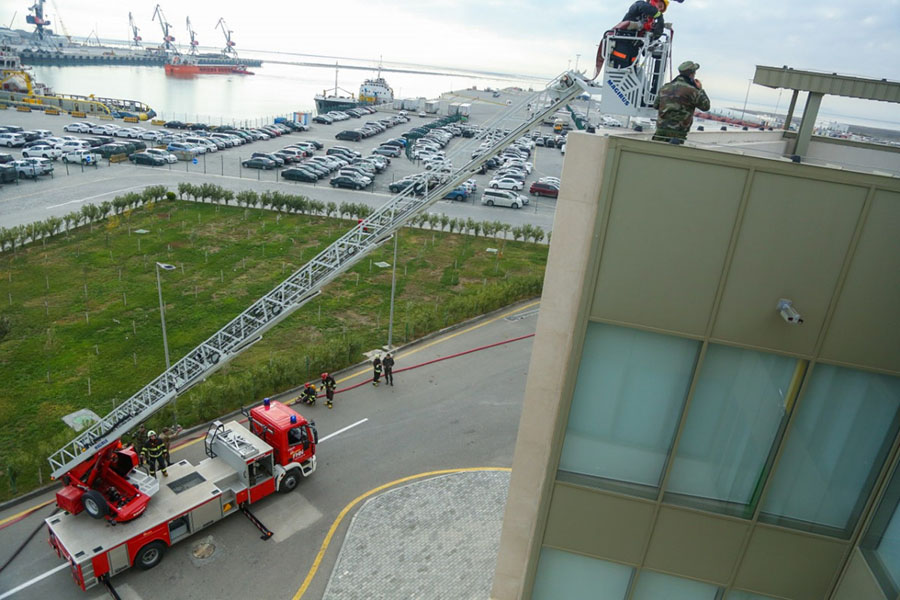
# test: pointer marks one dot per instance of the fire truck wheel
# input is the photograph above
(290, 481)
(150, 555)
(95, 504)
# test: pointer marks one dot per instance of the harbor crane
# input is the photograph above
(228, 50)
(37, 18)
(164, 25)
(135, 32)
(193, 34)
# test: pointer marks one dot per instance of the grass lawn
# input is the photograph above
(84, 326)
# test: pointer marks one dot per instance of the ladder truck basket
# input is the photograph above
(633, 70)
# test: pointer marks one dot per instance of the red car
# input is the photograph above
(539, 188)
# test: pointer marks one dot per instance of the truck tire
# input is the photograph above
(289, 482)
(150, 555)
(95, 504)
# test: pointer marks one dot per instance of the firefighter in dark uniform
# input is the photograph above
(388, 364)
(376, 370)
(154, 453)
(309, 394)
(329, 384)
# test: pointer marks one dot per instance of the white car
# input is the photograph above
(104, 129)
(32, 167)
(56, 142)
(520, 164)
(72, 145)
(42, 151)
(79, 127)
(503, 198)
(83, 156)
(123, 132)
(167, 156)
(44, 133)
(12, 139)
(506, 183)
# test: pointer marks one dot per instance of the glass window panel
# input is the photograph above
(881, 544)
(562, 574)
(845, 424)
(657, 586)
(734, 418)
(627, 403)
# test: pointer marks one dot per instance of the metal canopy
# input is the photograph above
(830, 84)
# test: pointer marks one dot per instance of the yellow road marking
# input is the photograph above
(337, 522)
(25, 512)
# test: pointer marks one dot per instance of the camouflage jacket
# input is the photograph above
(676, 103)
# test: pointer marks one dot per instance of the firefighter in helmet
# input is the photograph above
(329, 384)
(154, 453)
(309, 394)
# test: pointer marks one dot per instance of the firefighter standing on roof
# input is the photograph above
(154, 454)
(329, 384)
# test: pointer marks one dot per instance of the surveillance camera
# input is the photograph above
(787, 311)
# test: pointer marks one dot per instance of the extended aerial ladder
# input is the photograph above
(193, 34)
(305, 284)
(164, 25)
(135, 32)
(229, 49)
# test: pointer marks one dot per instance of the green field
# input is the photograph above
(80, 326)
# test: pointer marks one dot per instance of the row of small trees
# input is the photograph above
(12, 238)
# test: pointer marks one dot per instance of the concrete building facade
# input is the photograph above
(682, 436)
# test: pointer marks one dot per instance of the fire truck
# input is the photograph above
(277, 448)
(244, 464)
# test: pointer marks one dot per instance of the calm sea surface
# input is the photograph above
(277, 88)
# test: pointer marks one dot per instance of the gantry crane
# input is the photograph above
(228, 50)
(193, 34)
(164, 25)
(37, 18)
(135, 32)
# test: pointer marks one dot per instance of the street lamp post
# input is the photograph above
(390, 347)
(162, 320)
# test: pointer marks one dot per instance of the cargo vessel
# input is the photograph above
(372, 91)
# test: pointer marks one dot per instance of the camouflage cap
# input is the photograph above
(688, 65)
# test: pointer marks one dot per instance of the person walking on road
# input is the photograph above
(154, 454)
(329, 384)
(376, 370)
(388, 364)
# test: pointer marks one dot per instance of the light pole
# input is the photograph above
(162, 319)
(577, 56)
(390, 347)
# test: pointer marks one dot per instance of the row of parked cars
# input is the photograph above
(370, 128)
(333, 116)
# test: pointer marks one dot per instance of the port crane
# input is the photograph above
(228, 50)
(193, 34)
(164, 25)
(135, 32)
(37, 18)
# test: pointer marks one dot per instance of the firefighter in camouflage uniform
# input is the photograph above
(676, 103)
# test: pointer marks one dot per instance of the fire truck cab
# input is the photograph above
(243, 466)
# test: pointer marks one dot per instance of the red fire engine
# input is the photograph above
(244, 465)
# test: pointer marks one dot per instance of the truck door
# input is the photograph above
(298, 443)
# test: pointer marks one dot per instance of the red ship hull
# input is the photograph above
(182, 70)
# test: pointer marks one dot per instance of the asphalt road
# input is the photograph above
(462, 412)
(71, 186)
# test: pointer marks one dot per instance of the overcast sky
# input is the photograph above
(728, 38)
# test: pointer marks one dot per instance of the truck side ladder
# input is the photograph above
(300, 287)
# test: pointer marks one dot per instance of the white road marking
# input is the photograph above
(33, 581)
(330, 435)
(134, 187)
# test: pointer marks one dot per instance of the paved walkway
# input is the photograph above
(430, 540)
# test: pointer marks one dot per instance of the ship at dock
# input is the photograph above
(372, 91)
(18, 88)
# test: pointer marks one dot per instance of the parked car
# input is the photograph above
(323, 119)
(85, 157)
(297, 174)
(142, 158)
(493, 197)
(506, 183)
(459, 193)
(163, 154)
(259, 162)
(540, 188)
(279, 161)
(32, 167)
(392, 151)
(6, 158)
(347, 181)
(175, 125)
(42, 151)
(12, 139)
(79, 127)
(351, 135)
(8, 173)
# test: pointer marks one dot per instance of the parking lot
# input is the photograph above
(73, 183)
